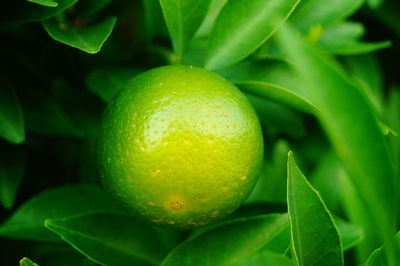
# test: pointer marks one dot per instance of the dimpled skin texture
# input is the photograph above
(180, 146)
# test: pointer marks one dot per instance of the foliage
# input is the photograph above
(322, 78)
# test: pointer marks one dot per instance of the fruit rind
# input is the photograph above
(180, 146)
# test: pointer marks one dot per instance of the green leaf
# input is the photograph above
(107, 81)
(271, 185)
(183, 17)
(49, 3)
(214, 9)
(349, 121)
(378, 257)
(354, 48)
(375, 4)
(325, 178)
(315, 238)
(88, 8)
(368, 73)
(273, 71)
(344, 31)
(350, 234)
(154, 20)
(17, 11)
(265, 258)
(112, 239)
(277, 118)
(27, 262)
(392, 114)
(242, 27)
(277, 94)
(12, 169)
(281, 242)
(65, 257)
(316, 12)
(343, 39)
(273, 80)
(89, 39)
(213, 246)
(359, 214)
(27, 221)
(195, 52)
(12, 126)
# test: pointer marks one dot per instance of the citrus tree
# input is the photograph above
(207, 132)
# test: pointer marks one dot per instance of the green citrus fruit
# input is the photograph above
(180, 146)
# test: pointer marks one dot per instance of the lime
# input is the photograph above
(180, 146)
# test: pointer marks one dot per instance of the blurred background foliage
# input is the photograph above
(63, 60)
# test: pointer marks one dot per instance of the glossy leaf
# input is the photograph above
(273, 80)
(277, 94)
(275, 117)
(183, 17)
(242, 27)
(315, 237)
(89, 39)
(12, 126)
(214, 9)
(350, 234)
(27, 221)
(49, 3)
(316, 12)
(65, 257)
(24, 11)
(106, 82)
(27, 262)
(265, 70)
(265, 258)
(378, 257)
(12, 169)
(350, 122)
(213, 246)
(112, 239)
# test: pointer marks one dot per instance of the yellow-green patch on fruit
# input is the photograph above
(180, 146)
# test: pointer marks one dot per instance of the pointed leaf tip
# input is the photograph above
(311, 223)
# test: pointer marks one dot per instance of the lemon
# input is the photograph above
(180, 146)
